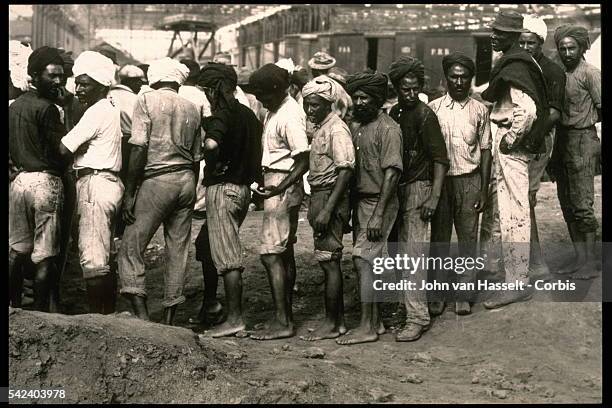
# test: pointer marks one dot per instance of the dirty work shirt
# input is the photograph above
(196, 96)
(378, 146)
(466, 129)
(331, 150)
(423, 143)
(125, 99)
(169, 126)
(35, 131)
(582, 96)
(284, 136)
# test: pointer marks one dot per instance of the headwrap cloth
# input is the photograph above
(167, 70)
(458, 58)
(96, 66)
(580, 34)
(323, 87)
(41, 57)
(374, 84)
(269, 78)
(406, 65)
(214, 75)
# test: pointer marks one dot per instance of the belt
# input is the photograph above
(86, 171)
(269, 170)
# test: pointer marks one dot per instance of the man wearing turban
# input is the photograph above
(164, 160)
(35, 131)
(232, 149)
(332, 160)
(94, 147)
(554, 78)
(378, 145)
(578, 150)
(465, 125)
(520, 110)
(284, 162)
(425, 164)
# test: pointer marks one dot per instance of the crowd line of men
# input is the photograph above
(126, 159)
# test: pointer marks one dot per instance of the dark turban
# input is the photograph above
(214, 73)
(580, 34)
(458, 58)
(406, 65)
(41, 57)
(374, 85)
(194, 69)
(268, 79)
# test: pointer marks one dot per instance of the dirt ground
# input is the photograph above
(533, 352)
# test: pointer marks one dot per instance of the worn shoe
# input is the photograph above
(463, 308)
(411, 332)
(436, 308)
(503, 298)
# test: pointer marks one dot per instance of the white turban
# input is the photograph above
(322, 87)
(286, 64)
(535, 25)
(18, 64)
(167, 70)
(96, 66)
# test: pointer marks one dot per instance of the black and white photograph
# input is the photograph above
(305, 204)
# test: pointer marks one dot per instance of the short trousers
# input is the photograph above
(329, 246)
(363, 248)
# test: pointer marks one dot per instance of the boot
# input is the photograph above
(169, 313)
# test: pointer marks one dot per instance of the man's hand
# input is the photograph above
(321, 223)
(267, 191)
(374, 230)
(128, 209)
(481, 203)
(428, 208)
(504, 145)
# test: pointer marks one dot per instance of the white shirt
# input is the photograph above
(284, 135)
(516, 111)
(196, 96)
(99, 132)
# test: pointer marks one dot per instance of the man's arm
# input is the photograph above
(137, 162)
(434, 142)
(388, 190)
(485, 179)
(322, 221)
(523, 116)
(300, 167)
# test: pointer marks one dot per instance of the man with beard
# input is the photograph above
(424, 160)
(95, 145)
(467, 133)
(232, 149)
(578, 147)
(520, 110)
(332, 160)
(163, 167)
(284, 162)
(554, 77)
(378, 144)
(36, 194)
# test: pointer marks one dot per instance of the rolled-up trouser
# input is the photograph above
(328, 246)
(279, 221)
(456, 207)
(414, 242)
(218, 240)
(579, 149)
(168, 199)
(98, 201)
(512, 172)
(35, 207)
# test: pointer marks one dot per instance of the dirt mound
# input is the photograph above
(101, 359)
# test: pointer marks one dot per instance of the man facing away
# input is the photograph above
(378, 145)
(554, 77)
(467, 133)
(425, 163)
(332, 160)
(36, 193)
(95, 146)
(520, 108)
(284, 162)
(232, 149)
(163, 166)
(577, 148)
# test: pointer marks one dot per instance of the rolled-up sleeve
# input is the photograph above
(83, 132)
(295, 131)
(523, 115)
(342, 149)
(391, 148)
(141, 123)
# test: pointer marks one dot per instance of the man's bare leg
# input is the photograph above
(42, 284)
(333, 325)
(139, 306)
(16, 264)
(281, 326)
(367, 330)
(233, 297)
(289, 264)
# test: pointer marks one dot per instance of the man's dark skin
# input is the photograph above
(281, 273)
(532, 43)
(48, 83)
(133, 83)
(366, 109)
(138, 160)
(101, 290)
(317, 109)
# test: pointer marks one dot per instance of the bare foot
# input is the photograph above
(359, 335)
(226, 329)
(587, 271)
(568, 269)
(327, 330)
(274, 330)
(381, 329)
